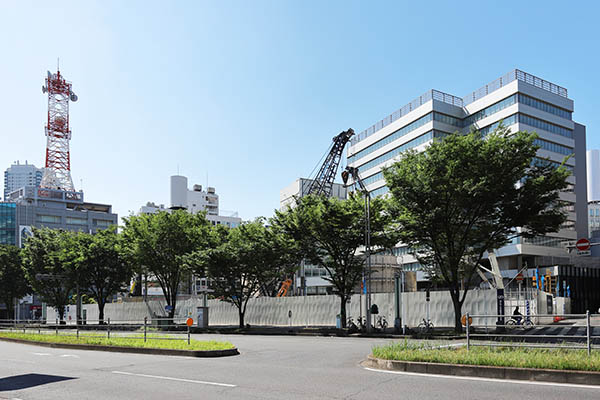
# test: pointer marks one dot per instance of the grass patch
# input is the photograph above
(152, 342)
(496, 356)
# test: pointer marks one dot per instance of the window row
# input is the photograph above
(508, 121)
(447, 119)
(542, 105)
(486, 112)
(546, 126)
(543, 161)
(391, 137)
(545, 241)
(554, 147)
(406, 146)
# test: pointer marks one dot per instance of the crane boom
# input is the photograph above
(323, 182)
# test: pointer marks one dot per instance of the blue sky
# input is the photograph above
(250, 93)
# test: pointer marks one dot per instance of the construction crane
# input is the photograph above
(285, 285)
(323, 181)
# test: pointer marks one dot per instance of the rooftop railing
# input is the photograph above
(433, 94)
(419, 101)
(515, 74)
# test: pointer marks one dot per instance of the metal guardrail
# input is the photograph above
(130, 329)
(503, 324)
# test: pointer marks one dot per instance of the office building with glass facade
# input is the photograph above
(31, 206)
(523, 102)
(8, 223)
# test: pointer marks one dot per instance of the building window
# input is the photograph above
(103, 223)
(49, 219)
(76, 221)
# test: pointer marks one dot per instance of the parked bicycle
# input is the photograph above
(382, 322)
(351, 325)
(426, 326)
(361, 323)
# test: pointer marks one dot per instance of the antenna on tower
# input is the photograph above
(57, 171)
(58, 63)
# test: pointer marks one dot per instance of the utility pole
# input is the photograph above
(351, 171)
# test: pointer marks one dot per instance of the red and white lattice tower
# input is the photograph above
(57, 174)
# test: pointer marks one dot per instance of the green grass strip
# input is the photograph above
(496, 356)
(152, 341)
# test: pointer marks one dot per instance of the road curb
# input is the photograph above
(136, 350)
(482, 371)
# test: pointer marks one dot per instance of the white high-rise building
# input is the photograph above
(522, 102)
(20, 175)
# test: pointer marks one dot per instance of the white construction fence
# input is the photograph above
(305, 310)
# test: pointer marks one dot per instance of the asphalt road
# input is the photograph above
(269, 367)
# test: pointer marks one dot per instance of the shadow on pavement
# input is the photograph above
(25, 381)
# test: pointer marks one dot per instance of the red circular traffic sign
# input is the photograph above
(582, 244)
(519, 277)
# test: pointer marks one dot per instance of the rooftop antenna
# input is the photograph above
(58, 63)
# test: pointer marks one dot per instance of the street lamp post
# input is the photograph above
(354, 172)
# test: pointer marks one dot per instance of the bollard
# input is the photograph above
(56, 327)
(188, 331)
(108, 329)
(145, 324)
(77, 328)
(589, 341)
(467, 325)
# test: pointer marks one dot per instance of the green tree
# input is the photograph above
(49, 264)
(102, 266)
(464, 196)
(13, 284)
(248, 258)
(330, 233)
(161, 243)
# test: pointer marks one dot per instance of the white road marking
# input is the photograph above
(69, 355)
(473, 378)
(175, 379)
(41, 354)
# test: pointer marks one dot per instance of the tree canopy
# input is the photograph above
(161, 243)
(49, 264)
(247, 259)
(13, 284)
(103, 268)
(330, 233)
(464, 196)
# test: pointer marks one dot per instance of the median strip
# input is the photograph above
(126, 344)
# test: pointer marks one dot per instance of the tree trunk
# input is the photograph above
(10, 309)
(101, 312)
(173, 304)
(343, 311)
(61, 313)
(241, 314)
(457, 311)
